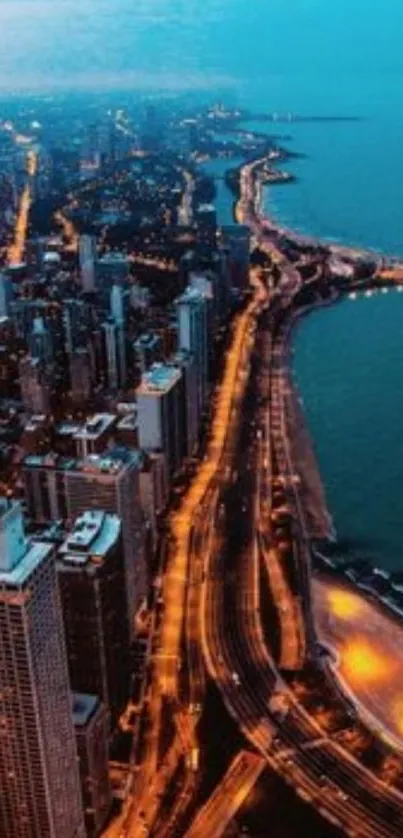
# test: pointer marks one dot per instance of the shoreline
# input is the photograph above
(319, 519)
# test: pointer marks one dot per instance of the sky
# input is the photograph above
(192, 43)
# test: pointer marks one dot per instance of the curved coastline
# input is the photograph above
(319, 523)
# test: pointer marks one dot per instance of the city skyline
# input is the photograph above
(199, 632)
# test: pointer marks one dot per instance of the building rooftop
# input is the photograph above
(94, 533)
(95, 426)
(84, 707)
(191, 294)
(147, 341)
(20, 573)
(159, 379)
(128, 423)
(111, 462)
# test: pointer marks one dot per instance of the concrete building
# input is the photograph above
(91, 571)
(62, 488)
(80, 371)
(206, 222)
(112, 268)
(110, 481)
(190, 402)
(148, 351)
(235, 241)
(92, 730)
(160, 414)
(39, 780)
(87, 261)
(114, 354)
(77, 324)
(40, 341)
(35, 385)
(154, 491)
(192, 310)
(6, 295)
(94, 435)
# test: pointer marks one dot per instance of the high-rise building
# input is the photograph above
(91, 723)
(62, 488)
(186, 362)
(39, 780)
(91, 572)
(112, 269)
(80, 370)
(154, 490)
(87, 260)
(119, 307)
(94, 435)
(110, 482)
(6, 295)
(160, 415)
(40, 341)
(115, 354)
(44, 477)
(192, 309)
(206, 222)
(77, 323)
(236, 243)
(147, 350)
(35, 385)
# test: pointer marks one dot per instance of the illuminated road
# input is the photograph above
(228, 797)
(369, 654)
(237, 657)
(17, 249)
(221, 537)
(179, 610)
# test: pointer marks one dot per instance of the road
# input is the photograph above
(17, 249)
(229, 796)
(191, 527)
(238, 659)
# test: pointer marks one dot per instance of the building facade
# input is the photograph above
(91, 572)
(39, 781)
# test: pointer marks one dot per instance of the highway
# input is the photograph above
(224, 546)
(191, 529)
(346, 792)
(17, 249)
(262, 705)
(227, 799)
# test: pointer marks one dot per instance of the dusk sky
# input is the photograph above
(188, 43)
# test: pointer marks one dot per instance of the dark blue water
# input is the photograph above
(348, 365)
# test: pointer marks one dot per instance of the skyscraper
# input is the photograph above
(115, 354)
(119, 306)
(110, 482)
(40, 341)
(160, 415)
(6, 295)
(64, 487)
(91, 572)
(92, 732)
(39, 781)
(80, 375)
(186, 362)
(35, 385)
(87, 259)
(236, 244)
(192, 308)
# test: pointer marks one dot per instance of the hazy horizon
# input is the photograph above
(182, 44)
